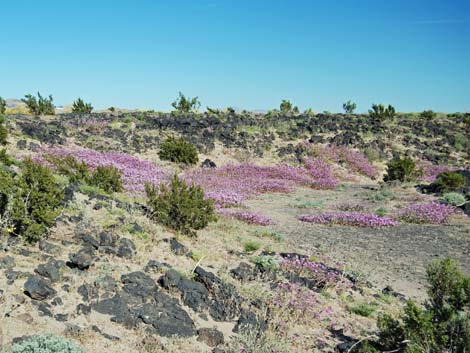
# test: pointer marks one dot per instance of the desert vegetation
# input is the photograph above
(287, 237)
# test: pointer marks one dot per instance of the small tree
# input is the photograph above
(179, 206)
(349, 107)
(286, 107)
(185, 105)
(428, 114)
(3, 105)
(40, 106)
(178, 150)
(3, 131)
(79, 106)
(401, 169)
(379, 111)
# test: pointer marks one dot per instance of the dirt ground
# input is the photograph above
(394, 256)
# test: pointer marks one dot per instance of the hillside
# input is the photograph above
(310, 245)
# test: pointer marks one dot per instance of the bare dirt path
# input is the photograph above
(395, 256)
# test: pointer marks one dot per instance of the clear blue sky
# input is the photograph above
(248, 54)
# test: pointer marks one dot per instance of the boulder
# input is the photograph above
(38, 288)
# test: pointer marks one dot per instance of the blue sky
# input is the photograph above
(414, 54)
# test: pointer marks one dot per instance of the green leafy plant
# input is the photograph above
(266, 262)
(178, 150)
(381, 211)
(185, 105)
(453, 199)
(29, 202)
(79, 106)
(379, 111)
(363, 309)
(70, 167)
(401, 169)
(287, 107)
(349, 107)
(5, 158)
(449, 181)
(3, 105)
(442, 325)
(45, 344)
(428, 114)
(107, 178)
(251, 246)
(39, 106)
(3, 131)
(179, 206)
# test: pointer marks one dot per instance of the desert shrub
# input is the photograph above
(428, 114)
(362, 309)
(185, 105)
(3, 105)
(79, 106)
(3, 131)
(442, 325)
(46, 344)
(29, 202)
(401, 169)
(179, 206)
(453, 199)
(178, 150)
(5, 158)
(266, 262)
(251, 246)
(379, 111)
(40, 106)
(449, 181)
(349, 107)
(381, 211)
(70, 167)
(107, 178)
(287, 107)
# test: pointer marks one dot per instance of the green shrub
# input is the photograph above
(379, 111)
(70, 167)
(381, 211)
(363, 309)
(453, 199)
(3, 105)
(107, 178)
(185, 105)
(266, 262)
(286, 107)
(46, 344)
(401, 169)
(5, 158)
(179, 206)
(29, 202)
(251, 246)
(40, 106)
(449, 181)
(442, 325)
(178, 150)
(349, 107)
(428, 114)
(79, 106)
(3, 131)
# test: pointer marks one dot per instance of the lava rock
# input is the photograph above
(7, 262)
(244, 272)
(83, 259)
(87, 292)
(48, 248)
(50, 270)
(208, 164)
(210, 336)
(126, 248)
(138, 284)
(38, 288)
(177, 248)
